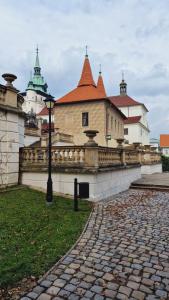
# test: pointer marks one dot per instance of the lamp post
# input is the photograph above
(49, 102)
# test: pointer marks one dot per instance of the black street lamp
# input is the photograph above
(49, 101)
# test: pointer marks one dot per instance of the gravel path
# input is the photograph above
(123, 254)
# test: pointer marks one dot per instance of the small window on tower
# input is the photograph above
(85, 119)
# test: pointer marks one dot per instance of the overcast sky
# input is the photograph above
(129, 35)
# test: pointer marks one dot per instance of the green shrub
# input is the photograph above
(165, 163)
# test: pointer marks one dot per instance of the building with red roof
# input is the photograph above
(164, 144)
(136, 127)
(88, 107)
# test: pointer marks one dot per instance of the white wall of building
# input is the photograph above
(165, 151)
(33, 101)
(137, 134)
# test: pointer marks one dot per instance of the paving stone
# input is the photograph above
(161, 294)
(156, 278)
(89, 294)
(112, 286)
(110, 293)
(53, 290)
(145, 289)
(133, 285)
(96, 289)
(70, 271)
(149, 270)
(125, 290)
(44, 297)
(32, 295)
(148, 282)
(38, 289)
(85, 285)
(138, 295)
(98, 297)
(46, 283)
(89, 278)
(108, 277)
(70, 287)
(63, 293)
(59, 282)
(51, 277)
(134, 278)
(121, 297)
(74, 297)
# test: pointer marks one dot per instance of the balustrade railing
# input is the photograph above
(87, 157)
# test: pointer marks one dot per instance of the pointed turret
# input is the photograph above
(100, 84)
(123, 86)
(37, 68)
(86, 76)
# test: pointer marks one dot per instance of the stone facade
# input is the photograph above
(68, 118)
(11, 132)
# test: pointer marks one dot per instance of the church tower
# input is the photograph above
(36, 90)
(123, 86)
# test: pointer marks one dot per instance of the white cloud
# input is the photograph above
(129, 35)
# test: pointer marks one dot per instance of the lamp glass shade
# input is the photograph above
(49, 102)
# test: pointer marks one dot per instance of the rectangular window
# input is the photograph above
(85, 119)
(125, 131)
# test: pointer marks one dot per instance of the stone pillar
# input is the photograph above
(11, 131)
(91, 150)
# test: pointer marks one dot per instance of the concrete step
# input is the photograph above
(162, 188)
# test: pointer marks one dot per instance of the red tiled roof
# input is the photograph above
(100, 86)
(132, 120)
(164, 140)
(123, 101)
(43, 112)
(86, 89)
(86, 76)
(81, 93)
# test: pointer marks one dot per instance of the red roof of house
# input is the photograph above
(86, 76)
(43, 112)
(86, 89)
(132, 120)
(164, 140)
(125, 100)
(100, 86)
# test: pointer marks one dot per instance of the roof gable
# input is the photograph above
(164, 140)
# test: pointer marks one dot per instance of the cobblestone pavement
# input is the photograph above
(123, 254)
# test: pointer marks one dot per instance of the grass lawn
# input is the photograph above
(33, 236)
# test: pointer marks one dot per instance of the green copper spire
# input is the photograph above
(37, 68)
(37, 81)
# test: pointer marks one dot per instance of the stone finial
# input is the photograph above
(136, 145)
(9, 78)
(91, 134)
(120, 143)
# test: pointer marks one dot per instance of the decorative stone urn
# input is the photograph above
(136, 145)
(9, 78)
(120, 143)
(147, 147)
(91, 134)
(153, 148)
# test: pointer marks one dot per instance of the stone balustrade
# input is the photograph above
(85, 157)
